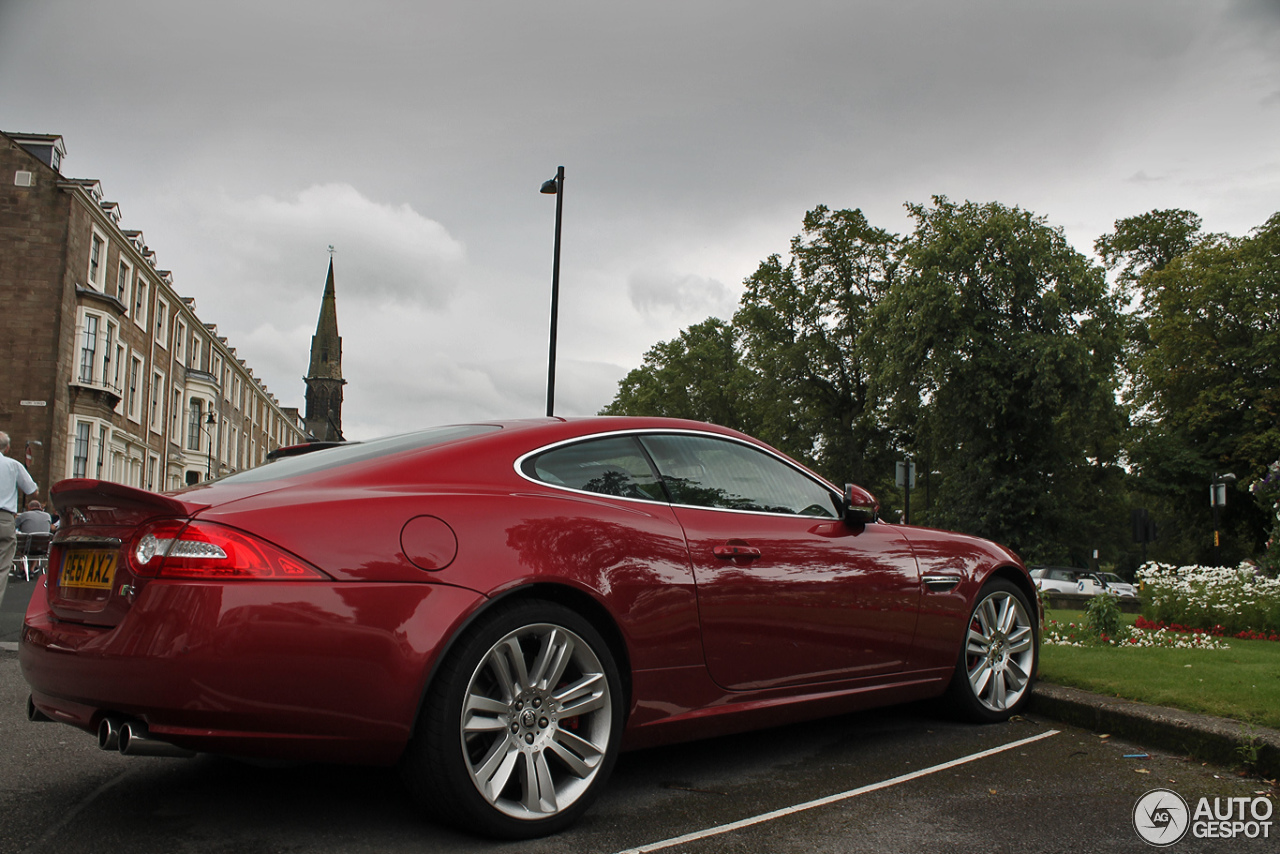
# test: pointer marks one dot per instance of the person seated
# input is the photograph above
(33, 520)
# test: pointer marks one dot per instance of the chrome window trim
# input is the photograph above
(677, 431)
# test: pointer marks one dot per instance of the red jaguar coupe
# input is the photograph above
(502, 607)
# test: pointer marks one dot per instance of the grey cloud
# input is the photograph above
(653, 293)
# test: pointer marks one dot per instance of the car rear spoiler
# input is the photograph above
(302, 448)
(85, 494)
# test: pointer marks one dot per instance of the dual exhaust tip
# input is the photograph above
(131, 738)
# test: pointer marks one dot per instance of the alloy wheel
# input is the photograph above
(536, 721)
(1000, 651)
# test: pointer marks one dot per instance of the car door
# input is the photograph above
(787, 593)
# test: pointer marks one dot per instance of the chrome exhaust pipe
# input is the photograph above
(34, 714)
(109, 733)
(136, 741)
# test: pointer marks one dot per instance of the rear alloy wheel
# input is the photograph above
(997, 664)
(526, 724)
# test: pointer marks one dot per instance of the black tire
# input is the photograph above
(998, 656)
(521, 727)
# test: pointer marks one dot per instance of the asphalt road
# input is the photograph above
(1059, 789)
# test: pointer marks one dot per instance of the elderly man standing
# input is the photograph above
(13, 476)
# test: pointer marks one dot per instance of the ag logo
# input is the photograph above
(1161, 817)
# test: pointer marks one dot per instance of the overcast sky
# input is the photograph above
(243, 138)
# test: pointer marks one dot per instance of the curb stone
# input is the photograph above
(1204, 737)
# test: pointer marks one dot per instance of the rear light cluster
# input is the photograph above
(204, 550)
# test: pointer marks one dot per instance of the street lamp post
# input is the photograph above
(554, 186)
(210, 420)
(1218, 498)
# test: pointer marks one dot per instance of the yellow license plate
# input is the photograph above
(93, 568)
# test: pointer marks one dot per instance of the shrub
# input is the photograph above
(1102, 617)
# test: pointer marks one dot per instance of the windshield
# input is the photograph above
(357, 452)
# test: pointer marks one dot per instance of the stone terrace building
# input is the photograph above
(105, 370)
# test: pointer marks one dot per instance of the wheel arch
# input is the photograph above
(1021, 579)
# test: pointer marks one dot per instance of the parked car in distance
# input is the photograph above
(500, 608)
(1117, 585)
(1058, 578)
(1071, 580)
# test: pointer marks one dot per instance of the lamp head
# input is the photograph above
(550, 187)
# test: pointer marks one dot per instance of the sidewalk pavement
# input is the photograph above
(1207, 738)
(1217, 740)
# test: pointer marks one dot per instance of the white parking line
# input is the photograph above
(830, 799)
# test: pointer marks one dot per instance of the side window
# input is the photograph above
(613, 466)
(707, 472)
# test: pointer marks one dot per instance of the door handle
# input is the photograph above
(733, 551)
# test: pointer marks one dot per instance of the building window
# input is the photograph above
(88, 348)
(135, 388)
(141, 290)
(162, 321)
(157, 401)
(195, 353)
(153, 464)
(117, 380)
(175, 412)
(107, 352)
(179, 339)
(80, 451)
(97, 259)
(102, 449)
(193, 425)
(122, 283)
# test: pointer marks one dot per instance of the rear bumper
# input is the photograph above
(295, 670)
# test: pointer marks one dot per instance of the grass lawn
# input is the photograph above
(1242, 683)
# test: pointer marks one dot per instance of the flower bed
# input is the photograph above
(1136, 636)
(1219, 600)
(1215, 631)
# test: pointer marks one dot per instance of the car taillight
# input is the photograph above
(204, 550)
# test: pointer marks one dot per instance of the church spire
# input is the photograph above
(326, 344)
(324, 376)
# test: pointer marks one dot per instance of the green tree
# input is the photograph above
(803, 326)
(697, 375)
(1002, 372)
(1148, 242)
(1205, 376)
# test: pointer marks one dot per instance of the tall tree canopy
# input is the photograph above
(698, 375)
(1205, 379)
(1003, 357)
(803, 326)
(997, 356)
(1147, 242)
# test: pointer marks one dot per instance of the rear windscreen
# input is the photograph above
(356, 452)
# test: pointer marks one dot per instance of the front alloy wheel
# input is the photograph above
(998, 661)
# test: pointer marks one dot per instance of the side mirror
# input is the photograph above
(860, 506)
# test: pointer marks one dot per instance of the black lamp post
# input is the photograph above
(210, 420)
(1218, 498)
(554, 186)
